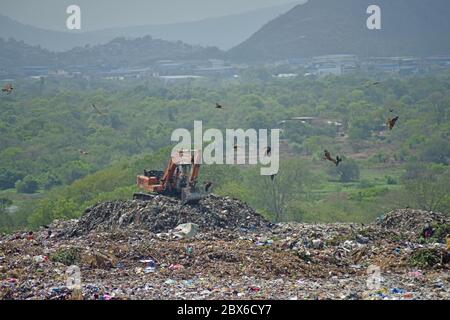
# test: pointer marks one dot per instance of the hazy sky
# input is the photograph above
(100, 14)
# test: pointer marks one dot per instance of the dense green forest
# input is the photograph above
(58, 155)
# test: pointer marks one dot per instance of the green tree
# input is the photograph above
(428, 187)
(27, 185)
(74, 170)
(347, 171)
(9, 177)
(50, 209)
(435, 149)
(292, 182)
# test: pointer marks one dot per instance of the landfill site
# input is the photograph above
(220, 248)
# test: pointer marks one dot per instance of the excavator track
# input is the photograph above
(142, 196)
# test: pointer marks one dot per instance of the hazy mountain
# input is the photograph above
(319, 27)
(52, 40)
(224, 32)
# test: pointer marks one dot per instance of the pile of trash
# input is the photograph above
(162, 214)
(124, 250)
(412, 221)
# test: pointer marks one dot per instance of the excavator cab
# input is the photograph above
(179, 179)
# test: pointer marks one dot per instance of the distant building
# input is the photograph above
(439, 60)
(335, 59)
(175, 78)
(326, 70)
(336, 64)
(59, 73)
(117, 78)
(285, 75)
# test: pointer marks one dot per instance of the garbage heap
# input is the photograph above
(137, 258)
(413, 222)
(162, 214)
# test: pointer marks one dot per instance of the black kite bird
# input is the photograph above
(391, 122)
(97, 110)
(208, 186)
(8, 88)
(327, 156)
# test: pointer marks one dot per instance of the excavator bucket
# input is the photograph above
(189, 195)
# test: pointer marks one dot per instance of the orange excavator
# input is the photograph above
(179, 179)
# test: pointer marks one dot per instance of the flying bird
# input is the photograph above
(8, 88)
(374, 83)
(83, 152)
(268, 151)
(327, 156)
(208, 185)
(218, 106)
(97, 110)
(272, 177)
(391, 122)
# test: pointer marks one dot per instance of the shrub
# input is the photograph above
(67, 256)
(391, 180)
(426, 258)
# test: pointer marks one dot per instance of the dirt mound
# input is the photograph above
(410, 220)
(162, 214)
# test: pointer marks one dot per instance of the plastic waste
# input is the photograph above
(189, 250)
(30, 235)
(317, 244)
(427, 231)
(150, 265)
(361, 239)
(40, 259)
(186, 230)
(415, 274)
(397, 291)
(169, 281)
(176, 267)
(408, 295)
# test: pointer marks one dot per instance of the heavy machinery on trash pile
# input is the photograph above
(179, 179)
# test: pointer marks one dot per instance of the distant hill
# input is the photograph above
(320, 27)
(122, 52)
(118, 53)
(223, 32)
(15, 54)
